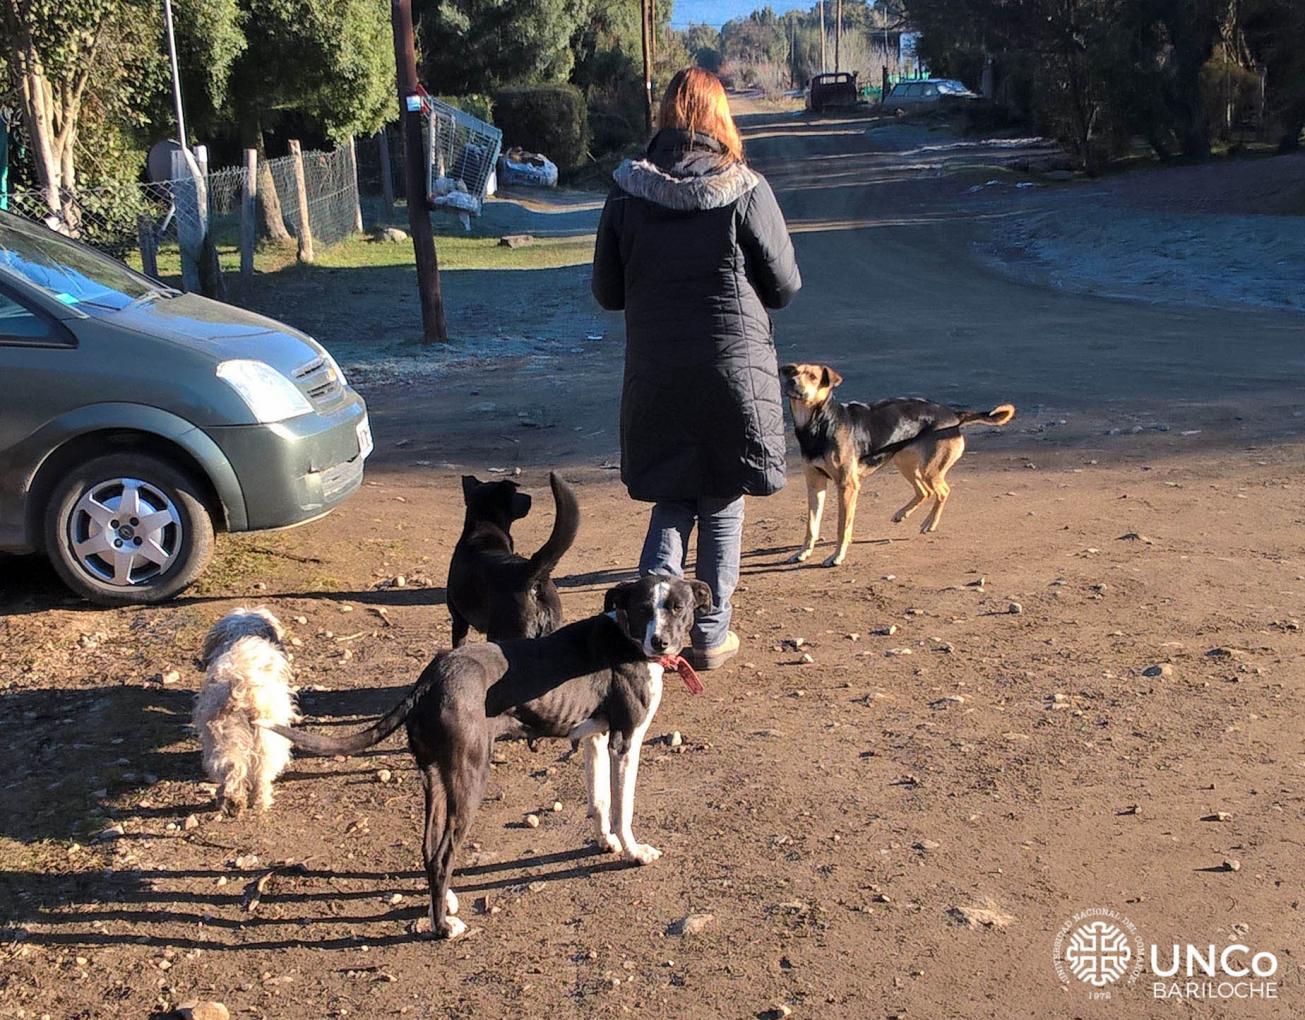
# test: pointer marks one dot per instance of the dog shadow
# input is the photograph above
(98, 909)
(77, 759)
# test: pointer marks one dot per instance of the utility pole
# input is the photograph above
(838, 36)
(433, 326)
(645, 13)
(176, 74)
(823, 63)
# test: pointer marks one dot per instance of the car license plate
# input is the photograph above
(364, 438)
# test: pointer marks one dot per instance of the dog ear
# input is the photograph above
(616, 597)
(701, 595)
(830, 378)
(469, 485)
(788, 370)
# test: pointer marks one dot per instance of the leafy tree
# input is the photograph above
(1274, 35)
(252, 63)
(68, 57)
(702, 43)
(480, 45)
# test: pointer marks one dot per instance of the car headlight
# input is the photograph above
(270, 396)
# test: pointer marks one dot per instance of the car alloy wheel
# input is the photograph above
(125, 532)
(128, 529)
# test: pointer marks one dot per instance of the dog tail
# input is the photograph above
(999, 415)
(318, 743)
(566, 522)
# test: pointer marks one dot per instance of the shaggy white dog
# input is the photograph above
(246, 682)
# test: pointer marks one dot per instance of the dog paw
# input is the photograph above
(452, 928)
(641, 853)
(834, 560)
(928, 527)
(451, 902)
(609, 843)
(799, 557)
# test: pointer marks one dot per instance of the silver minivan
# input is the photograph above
(136, 421)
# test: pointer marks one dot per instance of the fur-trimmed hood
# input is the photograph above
(645, 180)
(686, 173)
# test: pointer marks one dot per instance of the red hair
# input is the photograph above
(695, 101)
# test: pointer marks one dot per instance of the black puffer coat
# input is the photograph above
(693, 246)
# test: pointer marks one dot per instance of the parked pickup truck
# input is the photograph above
(827, 91)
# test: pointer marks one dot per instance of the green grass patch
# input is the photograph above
(454, 251)
(461, 252)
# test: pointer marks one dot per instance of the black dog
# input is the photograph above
(597, 681)
(501, 594)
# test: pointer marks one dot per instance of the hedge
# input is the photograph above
(549, 119)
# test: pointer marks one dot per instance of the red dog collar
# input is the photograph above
(681, 665)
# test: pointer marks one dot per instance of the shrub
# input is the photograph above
(549, 119)
(616, 113)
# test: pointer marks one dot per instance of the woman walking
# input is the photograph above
(693, 246)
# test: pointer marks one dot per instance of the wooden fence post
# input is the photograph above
(149, 261)
(191, 213)
(357, 190)
(248, 216)
(301, 190)
(387, 174)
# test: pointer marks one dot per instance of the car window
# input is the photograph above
(913, 90)
(20, 325)
(930, 90)
(71, 273)
(952, 88)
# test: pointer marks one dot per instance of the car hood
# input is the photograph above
(221, 330)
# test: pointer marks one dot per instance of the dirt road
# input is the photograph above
(1090, 695)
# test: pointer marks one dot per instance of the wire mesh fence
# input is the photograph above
(145, 224)
(331, 189)
(106, 218)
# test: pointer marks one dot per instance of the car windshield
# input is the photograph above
(952, 88)
(69, 272)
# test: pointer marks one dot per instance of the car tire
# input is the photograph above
(127, 530)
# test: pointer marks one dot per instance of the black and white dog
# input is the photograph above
(597, 681)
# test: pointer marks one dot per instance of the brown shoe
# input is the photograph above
(707, 659)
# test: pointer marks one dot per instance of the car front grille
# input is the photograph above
(320, 382)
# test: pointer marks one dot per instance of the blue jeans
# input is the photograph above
(720, 542)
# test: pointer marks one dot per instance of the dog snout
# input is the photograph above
(659, 642)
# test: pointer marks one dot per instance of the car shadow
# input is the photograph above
(28, 584)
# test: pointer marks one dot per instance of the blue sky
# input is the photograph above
(717, 12)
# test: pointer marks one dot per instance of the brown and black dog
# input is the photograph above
(842, 443)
